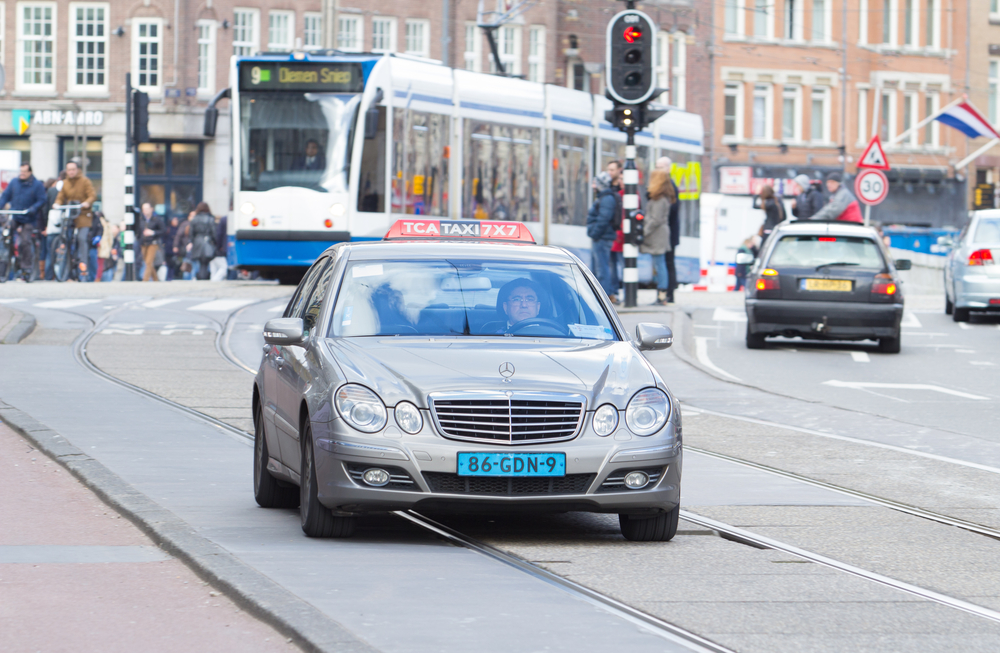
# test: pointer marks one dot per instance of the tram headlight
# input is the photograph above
(337, 210)
(247, 208)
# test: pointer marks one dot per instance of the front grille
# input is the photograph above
(398, 478)
(508, 486)
(615, 482)
(518, 419)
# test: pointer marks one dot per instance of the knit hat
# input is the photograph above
(802, 181)
(835, 176)
(602, 181)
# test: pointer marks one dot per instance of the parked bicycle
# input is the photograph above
(65, 264)
(12, 251)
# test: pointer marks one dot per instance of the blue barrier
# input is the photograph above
(919, 239)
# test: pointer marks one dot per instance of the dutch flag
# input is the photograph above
(964, 117)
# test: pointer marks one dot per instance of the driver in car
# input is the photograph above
(522, 301)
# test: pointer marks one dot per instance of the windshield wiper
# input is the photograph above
(824, 265)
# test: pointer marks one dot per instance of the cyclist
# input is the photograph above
(78, 189)
(24, 192)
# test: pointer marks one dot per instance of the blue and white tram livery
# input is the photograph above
(329, 147)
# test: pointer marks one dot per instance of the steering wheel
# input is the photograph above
(539, 321)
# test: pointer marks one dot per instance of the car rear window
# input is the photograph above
(811, 251)
(988, 231)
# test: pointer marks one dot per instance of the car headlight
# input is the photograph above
(648, 411)
(408, 417)
(605, 420)
(361, 408)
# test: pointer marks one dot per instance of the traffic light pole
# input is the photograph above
(128, 235)
(630, 204)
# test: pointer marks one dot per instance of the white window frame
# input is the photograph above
(863, 23)
(734, 9)
(994, 10)
(733, 89)
(350, 32)
(248, 29)
(3, 34)
(678, 82)
(474, 55)
(71, 83)
(276, 21)
(389, 33)
(509, 46)
(41, 88)
(824, 93)
(935, 126)
(154, 90)
(934, 24)
(312, 30)
(763, 92)
(763, 8)
(914, 34)
(536, 54)
(890, 110)
(862, 115)
(662, 70)
(827, 35)
(912, 118)
(207, 42)
(793, 18)
(893, 23)
(410, 45)
(793, 93)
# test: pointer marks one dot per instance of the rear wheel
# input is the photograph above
(889, 345)
(317, 520)
(266, 490)
(60, 258)
(660, 528)
(960, 314)
(754, 340)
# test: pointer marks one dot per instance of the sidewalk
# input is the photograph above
(75, 576)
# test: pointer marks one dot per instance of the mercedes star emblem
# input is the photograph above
(506, 371)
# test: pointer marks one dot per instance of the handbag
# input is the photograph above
(186, 266)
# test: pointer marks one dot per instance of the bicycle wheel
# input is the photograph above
(60, 258)
(5, 256)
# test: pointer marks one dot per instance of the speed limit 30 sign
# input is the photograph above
(871, 186)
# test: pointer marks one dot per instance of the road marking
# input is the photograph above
(980, 363)
(221, 305)
(156, 303)
(860, 357)
(863, 385)
(964, 325)
(66, 303)
(965, 351)
(729, 315)
(10, 301)
(122, 332)
(938, 345)
(701, 350)
(926, 333)
(910, 320)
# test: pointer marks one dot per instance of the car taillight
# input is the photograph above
(981, 257)
(768, 280)
(884, 285)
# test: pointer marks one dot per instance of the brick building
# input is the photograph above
(984, 82)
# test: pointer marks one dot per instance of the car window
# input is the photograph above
(296, 307)
(810, 251)
(468, 297)
(314, 305)
(987, 231)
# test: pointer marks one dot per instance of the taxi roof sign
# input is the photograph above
(418, 229)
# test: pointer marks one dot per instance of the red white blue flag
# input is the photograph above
(965, 118)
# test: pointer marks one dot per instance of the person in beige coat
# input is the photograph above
(77, 189)
(657, 229)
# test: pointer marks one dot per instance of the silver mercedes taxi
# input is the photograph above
(458, 366)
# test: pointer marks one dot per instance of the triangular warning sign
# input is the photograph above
(874, 156)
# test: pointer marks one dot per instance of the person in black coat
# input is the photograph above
(810, 198)
(314, 159)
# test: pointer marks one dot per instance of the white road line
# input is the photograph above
(925, 333)
(964, 325)
(938, 345)
(221, 305)
(701, 350)
(860, 357)
(10, 301)
(862, 385)
(66, 303)
(910, 320)
(728, 315)
(156, 303)
(965, 351)
(981, 363)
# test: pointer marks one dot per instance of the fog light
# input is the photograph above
(633, 480)
(380, 477)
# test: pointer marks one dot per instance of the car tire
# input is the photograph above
(317, 520)
(267, 491)
(889, 345)
(660, 528)
(949, 307)
(754, 340)
(960, 314)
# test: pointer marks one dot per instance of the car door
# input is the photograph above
(269, 385)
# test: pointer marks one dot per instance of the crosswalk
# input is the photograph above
(218, 307)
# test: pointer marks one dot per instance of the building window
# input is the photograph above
(763, 19)
(473, 48)
(679, 79)
(280, 31)
(791, 114)
(991, 111)
(37, 31)
(509, 45)
(887, 117)
(819, 120)
(245, 26)
(862, 115)
(732, 125)
(911, 23)
(349, 33)
(931, 128)
(821, 20)
(3, 31)
(383, 35)
(536, 54)
(206, 56)
(761, 112)
(793, 20)
(734, 17)
(89, 46)
(933, 35)
(890, 22)
(863, 23)
(147, 41)
(910, 118)
(312, 31)
(663, 65)
(580, 81)
(418, 37)
(994, 9)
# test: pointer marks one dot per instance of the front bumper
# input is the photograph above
(429, 462)
(824, 320)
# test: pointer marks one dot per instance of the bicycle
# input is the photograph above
(64, 262)
(10, 251)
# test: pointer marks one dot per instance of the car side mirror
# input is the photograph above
(744, 258)
(903, 264)
(284, 331)
(653, 336)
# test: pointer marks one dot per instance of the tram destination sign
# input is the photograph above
(336, 77)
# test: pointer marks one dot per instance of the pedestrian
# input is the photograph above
(614, 169)
(656, 229)
(96, 233)
(809, 198)
(601, 228)
(773, 207)
(182, 247)
(202, 246)
(24, 192)
(219, 264)
(152, 228)
(77, 189)
(843, 205)
(666, 164)
(105, 264)
(50, 234)
(747, 247)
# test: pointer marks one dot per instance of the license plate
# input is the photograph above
(828, 285)
(511, 464)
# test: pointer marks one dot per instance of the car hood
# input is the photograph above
(412, 368)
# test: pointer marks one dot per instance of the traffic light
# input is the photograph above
(638, 226)
(625, 117)
(140, 116)
(631, 52)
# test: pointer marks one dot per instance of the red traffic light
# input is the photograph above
(632, 34)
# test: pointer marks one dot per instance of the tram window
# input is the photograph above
(572, 179)
(420, 156)
(501, 176)
(371, 182)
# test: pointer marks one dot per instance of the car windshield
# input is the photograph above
(813, 251)
(468, 297)
(987, 231)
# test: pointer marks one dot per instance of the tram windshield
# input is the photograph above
(297, 139)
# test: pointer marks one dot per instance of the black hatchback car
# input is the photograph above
(825, 281)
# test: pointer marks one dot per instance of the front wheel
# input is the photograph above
(60, 258)
(660, 528)
(317, 520)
